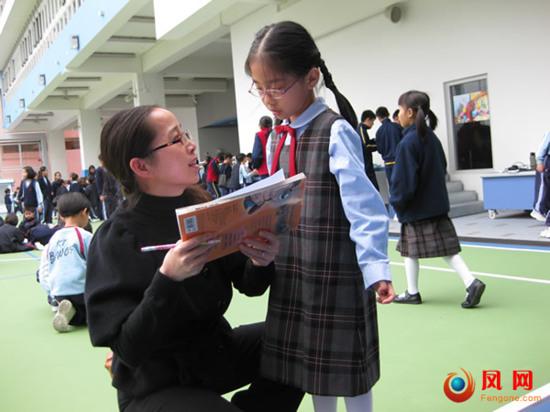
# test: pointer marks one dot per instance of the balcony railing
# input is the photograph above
(44, 25)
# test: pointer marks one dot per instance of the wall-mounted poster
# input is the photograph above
(470, 123)
(471, 107)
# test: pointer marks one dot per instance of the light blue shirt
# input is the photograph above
(62, 266)
(544, 149)
(362, 203)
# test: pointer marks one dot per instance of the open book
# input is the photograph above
(273, 204)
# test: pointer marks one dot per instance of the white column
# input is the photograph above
(148, 89)
(89, 122)
(56, 153)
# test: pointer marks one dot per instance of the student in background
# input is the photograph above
(212, 174)
(46, 188)
(388, 136)
(30, 193)
(11, 238)
(62, 271)
(321, 328)
(395, 117)
(75, 184)
(419, 196)
(259, 156)
(8, 201)
(369, 145)
(29, 221)
(225, 174)
(234, 182)
(91, 193)
(542, 189)
(245, 175)
(162, 313)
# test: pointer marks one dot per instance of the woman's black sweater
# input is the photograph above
(162, 332)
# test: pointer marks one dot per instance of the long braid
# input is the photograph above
(345, 107)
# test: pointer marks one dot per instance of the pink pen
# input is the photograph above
(171, 245)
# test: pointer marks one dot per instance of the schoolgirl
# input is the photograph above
(321, 328)
(419, 196)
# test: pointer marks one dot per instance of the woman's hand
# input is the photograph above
(540, 167)
(261, 249)
(187, 258)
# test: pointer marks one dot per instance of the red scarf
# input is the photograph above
(283, 131)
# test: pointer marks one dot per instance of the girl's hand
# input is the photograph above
(540, 167)
(261, 249)
(187, 258)
(385, 292)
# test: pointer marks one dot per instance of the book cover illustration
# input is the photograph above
(274, 207)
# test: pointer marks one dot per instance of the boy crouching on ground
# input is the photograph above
(62, 270)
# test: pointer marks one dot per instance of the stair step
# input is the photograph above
(462, 197)
(454, 186)
(467, 208)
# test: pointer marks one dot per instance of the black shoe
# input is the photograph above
(475, 290)
(408, 298)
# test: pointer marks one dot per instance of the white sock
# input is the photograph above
(458, 264)
(361, 403)
(324, 403)
(411, 270)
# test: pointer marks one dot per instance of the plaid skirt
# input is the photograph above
(434, 237)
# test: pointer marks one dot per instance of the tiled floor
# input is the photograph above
(507, 227)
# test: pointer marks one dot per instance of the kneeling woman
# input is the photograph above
(161, 313)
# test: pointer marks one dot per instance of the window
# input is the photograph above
(471, 124)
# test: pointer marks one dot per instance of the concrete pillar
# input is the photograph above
(148, 89)
(89, 122)
(56, 153)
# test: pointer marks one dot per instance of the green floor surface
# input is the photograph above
(42, 370)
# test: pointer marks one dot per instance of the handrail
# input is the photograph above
(44, 25)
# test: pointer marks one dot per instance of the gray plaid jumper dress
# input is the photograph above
(321, 327)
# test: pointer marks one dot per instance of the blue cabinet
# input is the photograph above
(507, 191)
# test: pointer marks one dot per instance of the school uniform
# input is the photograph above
(11, 239)
(259, 158)
(46, 189)
(369, 146)
(8, 202)
(321, 327)
(30, 193)
(388, 136)
(419, 196)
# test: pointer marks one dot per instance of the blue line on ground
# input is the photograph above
(503, 246)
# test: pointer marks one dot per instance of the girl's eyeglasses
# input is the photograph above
(273, 93)
(178, 139)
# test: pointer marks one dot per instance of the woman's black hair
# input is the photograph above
(124, 136)
(289, 48)
(419, 102)
(31, 174)
(266, 121)
(72, 203)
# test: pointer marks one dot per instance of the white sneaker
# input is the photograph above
(39, 246)
(546, 233)
(65, 313)
(538, 216)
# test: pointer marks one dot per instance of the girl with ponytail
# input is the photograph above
(419, 196)
(321, 330)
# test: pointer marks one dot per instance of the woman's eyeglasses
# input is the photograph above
(273, 93)
(178, 139)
